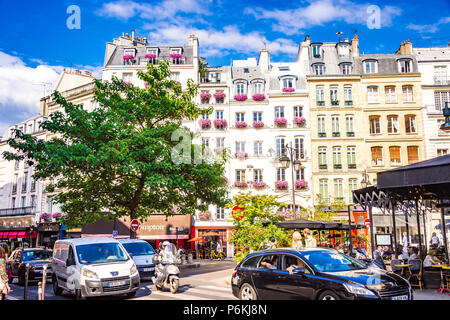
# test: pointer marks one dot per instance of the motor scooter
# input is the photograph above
(167, 273)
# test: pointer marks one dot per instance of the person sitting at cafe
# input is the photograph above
(387, 254)
(412, 253)
(430, 260)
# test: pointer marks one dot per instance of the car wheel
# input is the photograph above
(247, 292)
(56, 289)
(328, 295)
(79, 295)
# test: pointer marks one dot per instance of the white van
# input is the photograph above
(142, 253)
(92, 267)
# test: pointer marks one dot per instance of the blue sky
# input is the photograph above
(36, 44)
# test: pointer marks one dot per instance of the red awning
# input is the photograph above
(1, 235)
(12, 234)
(22, 234)
(5, 235)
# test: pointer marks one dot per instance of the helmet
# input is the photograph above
(166, 243)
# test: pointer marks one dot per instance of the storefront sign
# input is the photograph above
(48, 227)
(160, 227)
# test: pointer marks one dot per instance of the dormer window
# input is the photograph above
(241, 88)
(370, 66)
(152, 55)
(317, 50)
(319, 69)
(258, 88)
(129, 56)
(346, 68)
(405, 65)
(176, 54)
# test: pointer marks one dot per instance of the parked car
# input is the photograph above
(142, 253)
(36, 258)
(313, 274)
(92, 267)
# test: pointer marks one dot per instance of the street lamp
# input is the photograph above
(286, 161)
(365, 182)
(446, 125)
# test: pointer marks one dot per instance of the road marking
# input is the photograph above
(228, 290)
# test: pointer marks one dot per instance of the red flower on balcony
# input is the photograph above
(219, 95)
(288, 89)
(259, 97)
(175, 55)
(150, 56)
(220, 123)
(281, 185)
(205, 123)
(241, 155)
(300, 121)
(241, 124)
(258, 124)
(205, 96)
(240, 184)
(301, 184)
(240, 97)
(259, 184)
(280, 122)
(128, 57)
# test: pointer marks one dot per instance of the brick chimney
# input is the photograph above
(355, 46)
(407, 47)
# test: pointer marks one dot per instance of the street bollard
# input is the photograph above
(190, 258)
(25, 287)
(44, 281)
(40, 291)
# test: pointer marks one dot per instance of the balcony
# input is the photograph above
(337, 166)
(322, 134)
(352, 165)
(336, 134)
(350, 134)
(334, 102)
(348, 102)
(24, 188)
(322, 166)
(320, 103)
(14, 189)
(441, 81)
(23, 211)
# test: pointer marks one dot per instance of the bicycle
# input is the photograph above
(215, 255)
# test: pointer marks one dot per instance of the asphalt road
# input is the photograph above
(205, 283)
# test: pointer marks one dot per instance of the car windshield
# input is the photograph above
(32, 255)
(139, 248)
(328, 261)
(100, 253)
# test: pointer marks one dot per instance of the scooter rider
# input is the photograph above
(167, 256)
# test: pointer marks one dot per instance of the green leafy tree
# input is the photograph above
(118, 157)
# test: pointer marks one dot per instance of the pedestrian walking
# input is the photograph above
(272, 243)
(297, 240)
(434, 242)
(310, 241)
(4, 285)
(405, 244)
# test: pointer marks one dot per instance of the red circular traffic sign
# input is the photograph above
(134, 225)
(367, 222)
(237, 213)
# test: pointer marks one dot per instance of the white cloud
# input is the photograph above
(219, 42)
(319, 12)
(166, 9)
(429, 28)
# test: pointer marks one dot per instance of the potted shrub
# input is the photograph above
(258, 124)
(259, 97)
(220, 123)
(205, 123)
(301, 184)
(259, 184)
(241, 155)
(241, 124)
(280, 122)
(281, 185)
(240, 184)
(45, 217)
(240, 97)
(205, 96)
(288, 89)
(57, 215)
(300, 121)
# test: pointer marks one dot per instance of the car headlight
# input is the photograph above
(90, 274)
(133, 269)
(358, 290)
(377, 287)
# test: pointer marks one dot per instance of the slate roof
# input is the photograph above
(387, 63)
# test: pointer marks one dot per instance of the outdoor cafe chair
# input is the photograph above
(415, 271)
(395, 262)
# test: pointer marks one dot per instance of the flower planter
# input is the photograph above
(259, 97)
(150, 56)
(241, 124)
(259, 184)
(205, 96)
(205, 123)
(288, 90)
(175, 56)
(300, 121)
(240, 97)
(281, 185)
(280, 122)
(334, 102)
(301, 184)
(220, 123)
(45, 217)
(204, 215)
(241, 155)
(128, 57)
(240, 184)
(127, 83)
(219, 95)
(258, 124)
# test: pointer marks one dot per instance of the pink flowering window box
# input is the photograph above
(241, 155)
(176, 56)
(288, 89)
(150, 56)
(204, 215)
(300, 121)
(258, 124)
(240, 184)
(281, 184)
(128, 57)
(205, 123)
(205, 96)
(241, 124)
(259, 184)
(219, 95)
(301, 184)
(240, 97)
(280, 121)
(259, 97)
(220, 123)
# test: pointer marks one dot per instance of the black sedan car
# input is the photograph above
(313, 274)
(36, 259)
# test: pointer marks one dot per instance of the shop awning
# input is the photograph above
(1, 235)
(12, 235)
(21, 234)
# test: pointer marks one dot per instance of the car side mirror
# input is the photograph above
(298, 271)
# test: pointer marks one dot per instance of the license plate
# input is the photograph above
(148, 269)
(116, 283)
(404, 297)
